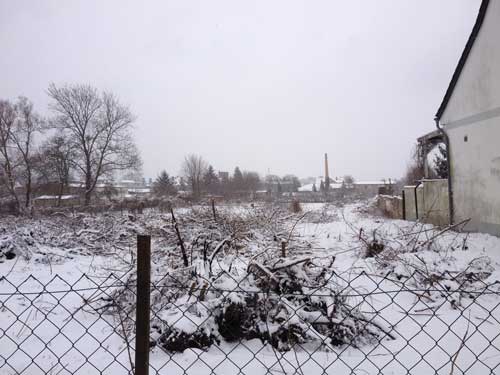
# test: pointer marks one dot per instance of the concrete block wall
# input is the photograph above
(432, 202)
(391, 206)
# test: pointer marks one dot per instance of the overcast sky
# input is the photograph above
(265, 85)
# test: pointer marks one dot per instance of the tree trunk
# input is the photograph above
(28, 190)
(88, 196)
(12, 188)
(61, 191)
(88, 182)
(193, 187)
(88, 191)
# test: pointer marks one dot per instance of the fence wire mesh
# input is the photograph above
(353, 324)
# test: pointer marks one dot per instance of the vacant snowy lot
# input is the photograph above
(260, 290)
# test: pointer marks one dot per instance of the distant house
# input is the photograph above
(224, 176)
(339, 187)
(139, 192)
(469, 118)
(103, 190)
(371, 188)
(335, 183)
(275, 187)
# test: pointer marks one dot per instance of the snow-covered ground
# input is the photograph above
(416, 294)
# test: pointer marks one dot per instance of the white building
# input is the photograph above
(470, 117)
(335, 183)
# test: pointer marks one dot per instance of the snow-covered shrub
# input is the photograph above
(282, 303)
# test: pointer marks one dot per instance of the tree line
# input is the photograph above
(87, 136)
(199, 178)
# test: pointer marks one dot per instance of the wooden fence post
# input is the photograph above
(213, 210)
(143, 305)
(283, 248)
(404, 204)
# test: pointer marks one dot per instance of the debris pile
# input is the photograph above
(425, 257)
(66, 234)
(242, 281)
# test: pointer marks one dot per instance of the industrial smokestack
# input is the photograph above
(327, 174)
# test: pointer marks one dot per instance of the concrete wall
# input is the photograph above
(432, 202)
(472, 121)
(435, 202)
(410, 210)
(391, 206)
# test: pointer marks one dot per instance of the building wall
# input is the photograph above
(475, 172)
(472, 121)
(478, 88)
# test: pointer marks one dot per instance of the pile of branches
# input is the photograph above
(71, 234)
(424, 257)
(12, 244)
(195, 230)
(286, 303)
(239, 280)
(328, 214)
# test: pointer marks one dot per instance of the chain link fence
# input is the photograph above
(371, 324)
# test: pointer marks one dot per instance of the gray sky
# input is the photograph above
(265, 85)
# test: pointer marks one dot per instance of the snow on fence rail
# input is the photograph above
(363, 324)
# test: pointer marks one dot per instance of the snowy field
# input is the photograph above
(420, 300)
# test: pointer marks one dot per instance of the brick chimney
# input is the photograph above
(327, 175)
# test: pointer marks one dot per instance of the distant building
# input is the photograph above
(280, 186)
(370, 189)
(335, 183)
(139, 192)
(224, 175)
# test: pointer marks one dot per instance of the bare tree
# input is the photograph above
(251, 181)
(27, 124)
(415, 168)
(55, 162)
(7, 156)
(100, 128)
(18, 125)
(194, 168)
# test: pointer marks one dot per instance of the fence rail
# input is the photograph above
(60, 327)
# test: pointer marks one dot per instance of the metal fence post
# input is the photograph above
(143, 305)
